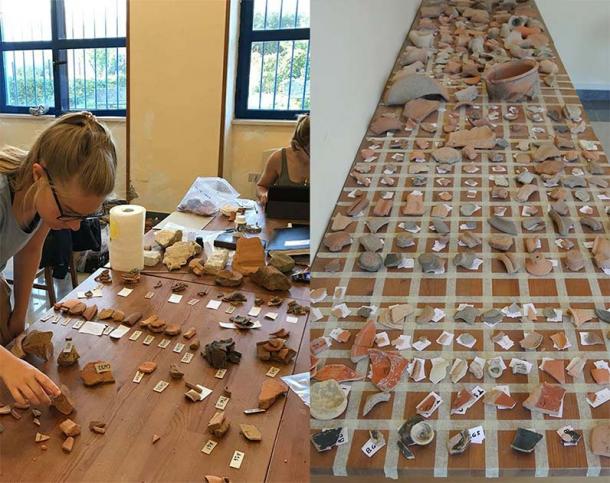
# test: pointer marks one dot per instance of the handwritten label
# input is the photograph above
(164, 343)
(174, 298)
(220, 373)
(125, 292)
(136, 335)
(148, 339)
(193, 301)
(149, 295)
(222, 402)
(230, 309)
(160, 386)
(237, 459)
(272, 372)
(102, 367)
(209, 446)
(138, 377)
(214, 304)
(78, 324)
(370, 448)
(178, 348)
(187, 358)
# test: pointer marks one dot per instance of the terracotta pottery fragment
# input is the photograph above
(555, 369)
(363, 341)
(601, 252)
(383, 124)
(414, 205)
(220, 353)
(68, 444)
(387, 368)
(90, 312)
(502, 224)
(218, 424)
(545, 398)
(338, 372)
(273, 388)
(275, 350)
(63, 403)
(479, 137)
(446, 155)
(538, 265)
(270, 278)
(97, 372)
(97, 427)
(336, 241)
(250, 432)
(35, 343)
(513, 81)
(419, 109)
(147, 367)
(600, 440)
(69, 427)
(68, 356)
(580, 316)
(249, 255)
(328, 400)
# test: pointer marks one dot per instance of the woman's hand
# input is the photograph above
(25, 382)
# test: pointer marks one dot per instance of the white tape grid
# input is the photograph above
(444, 424)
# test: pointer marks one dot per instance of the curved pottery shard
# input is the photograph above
(600, 440)
(414, 86)
(373, 400)
(525, 440)
(503, 224)
(337, 240)
(328, 400)
(458, 443)
(538, 265)
(363, 341)
(338, 372)
(357, 206)
(386, 369)
(419, 109)
(513, 81)
(384, 124)
(479, 137)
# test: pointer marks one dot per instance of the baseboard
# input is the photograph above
(593, 94)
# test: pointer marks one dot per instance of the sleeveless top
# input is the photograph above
(284, 179)
(12, 236)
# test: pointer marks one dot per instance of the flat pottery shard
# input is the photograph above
(580, 316)
(63, 403)
(426, 315)
(503, 224)
(464, 260)
(414, 205)
(218, 424)
(383, 207)
(525, 440)
(405, 241)
(562, 223)
(384, 124)
(395, 316)
(447, 155)
(357, 206)
(96, 372)
(336, 241)
(468, 209)
(467, 314)
(526, 177)
(70, 428)
(326, 439)
(439, 370)
(501, 242)
(546, 398)
(550, 168)
(492, 316)
(600, 440)
(387, 369)
(250, 432)
(338, 372)
(479, 137)
(525, 192)
(591, 223)
(271, 389)
(470, 239)
(371, 243)
(373, 400)
(467, 95)
(535, 223)
(392, 260)
(363, 341)
(419, 109)
(546, 151)
(476, 369)
(376, 224)
(459, 370)
(147, 367)
(531, 244)
(531, 341)
(370, 262)
(510, 262)
(459, 443)
(35, 343)
(574, 260)
(430, 262)
(328, 400)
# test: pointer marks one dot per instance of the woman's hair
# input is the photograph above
(300, 138)
(75, 145)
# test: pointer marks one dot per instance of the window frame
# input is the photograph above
(247, 35)
(58, 47)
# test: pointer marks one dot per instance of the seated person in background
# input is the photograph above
(288, 166)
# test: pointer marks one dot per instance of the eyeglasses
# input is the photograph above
(62, 216)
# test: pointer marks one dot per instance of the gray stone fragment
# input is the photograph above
(492, 316)
(603, 315)
(582, 195)
(430, 262)
(503, 224)
(405, 241)
(533, 224)
(464, 260)
(597, 181)
(572, 181)
(370, 261)
(446, 155)
(562, 223)
(440, 226)
(468, 209)
(467, 314)
(392, 260)
(560, 207)
(526, 177)
(591, 223)
(375, 399)
(376, 224)
(371, 243)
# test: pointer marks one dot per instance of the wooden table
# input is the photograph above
(220, 222)
(487, 287)
(134, 412)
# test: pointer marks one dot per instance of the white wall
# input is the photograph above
(353, 48)
(581, 32)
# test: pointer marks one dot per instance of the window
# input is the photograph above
(67, 55)
(273, 65)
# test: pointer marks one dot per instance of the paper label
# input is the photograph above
(125, 292)
(477, 435)
(160, 386)
(138, 377)
(148, 339)
(68, 347)
(136, 335)
(174, 298)
(214, 304)
(149, 295)
(230, 309)
(107, 330)
(102, 367)
(119, 332)
(370, 448)
(254, 312)
(272, 372)
(178, 348)
(193, 301)
(65, 322)
(164, 343)
(209, 446)
(237, 459)
(187, 358)
(271, 315)
(292, 319)
(220, 373)
(46, 317)
(222, 402)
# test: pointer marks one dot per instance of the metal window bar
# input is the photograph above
(12, 79)
(248, 36)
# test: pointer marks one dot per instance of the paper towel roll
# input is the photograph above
(127, 237)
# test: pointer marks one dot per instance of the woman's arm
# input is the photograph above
(269, 176)
(25, 263)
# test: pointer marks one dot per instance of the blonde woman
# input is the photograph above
(62, 180)
(288, 166)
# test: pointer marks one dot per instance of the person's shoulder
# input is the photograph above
(275, 160)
